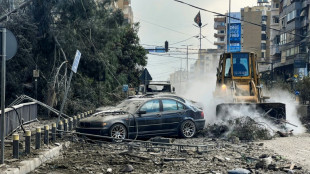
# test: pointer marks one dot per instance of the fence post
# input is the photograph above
(27, 141)
(38, 138)
(74, 121)
(70, 123)
(16, 146)
(66, 125)
(60, 125)
(54, 132)
(78, 118)
(46, 137)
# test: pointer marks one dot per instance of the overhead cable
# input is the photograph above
(220, 14)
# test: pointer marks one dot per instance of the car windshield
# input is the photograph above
(129, 105)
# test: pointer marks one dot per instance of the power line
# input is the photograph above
(173, 56)
(183, 40)
(220, 14)
(163, 27)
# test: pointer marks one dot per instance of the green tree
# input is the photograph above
(50, 31)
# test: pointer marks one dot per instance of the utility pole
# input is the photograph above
(228, 38)
(3, 54)
(187, 59)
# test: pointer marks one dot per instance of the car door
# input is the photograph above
(172, 114)
(150, 122)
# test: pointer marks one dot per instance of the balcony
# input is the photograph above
(305, 22)
(274, 50)
(219, 27)
(219, 43)
(305, 3)
(218, 35)
(220, 19)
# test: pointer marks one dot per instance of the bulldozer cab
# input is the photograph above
(239, 66)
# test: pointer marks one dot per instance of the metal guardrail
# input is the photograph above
(18, 114)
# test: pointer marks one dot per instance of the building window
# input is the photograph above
(222, 31)
(221, 39)
(275, 20)
(283, 39)
(263, 54)
(264, 37)
(291, 15)
(264, 18)
(264, 27)
(276, 39)
(263, 46)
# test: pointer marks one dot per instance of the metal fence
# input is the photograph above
(22, 113)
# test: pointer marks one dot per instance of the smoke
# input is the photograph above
(292, 116)
(201, 90)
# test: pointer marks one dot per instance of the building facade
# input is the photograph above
(220, 35)
(293, 45)
(255, 37)
(125, 5)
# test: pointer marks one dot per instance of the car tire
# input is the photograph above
(188, 129)
(118, 132)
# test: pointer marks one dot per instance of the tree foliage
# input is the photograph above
(303, 87)
(50, 31)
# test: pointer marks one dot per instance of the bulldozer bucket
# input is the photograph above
(276, 111)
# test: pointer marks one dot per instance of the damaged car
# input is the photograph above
(145, 117)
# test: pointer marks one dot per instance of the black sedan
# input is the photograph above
(145, 117)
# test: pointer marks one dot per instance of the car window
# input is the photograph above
(150, 106)
(180, 106)
(170, 105)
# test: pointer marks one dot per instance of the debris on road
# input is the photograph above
(219, 156)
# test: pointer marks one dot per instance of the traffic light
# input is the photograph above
(166, 46)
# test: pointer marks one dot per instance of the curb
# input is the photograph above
(31, 164)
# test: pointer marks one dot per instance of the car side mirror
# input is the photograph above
(141, 112)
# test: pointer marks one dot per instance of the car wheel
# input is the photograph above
(118, 131)
(188, 129)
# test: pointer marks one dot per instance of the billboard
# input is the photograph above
(234, 33)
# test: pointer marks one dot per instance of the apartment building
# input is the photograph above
(125, 5)
(293, 45)
(255, 37)
(220, 35)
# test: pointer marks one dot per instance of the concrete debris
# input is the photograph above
(162, 140)
(109, 170)
(238, 171)
(127, 168)
(285, 134)
(220, 156)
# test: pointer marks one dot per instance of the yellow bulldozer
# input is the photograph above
(238, 86)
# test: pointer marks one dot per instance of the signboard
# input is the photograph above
(125, 88)
(76, 61)
(156, 50)
(36, 73)
(145, 76)
(11, 44)
(300, 61)
(234, 37)
(234, 32)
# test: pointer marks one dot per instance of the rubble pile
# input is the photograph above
(220, 156)
(244, 128)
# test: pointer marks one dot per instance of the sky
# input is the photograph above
(168, 20)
